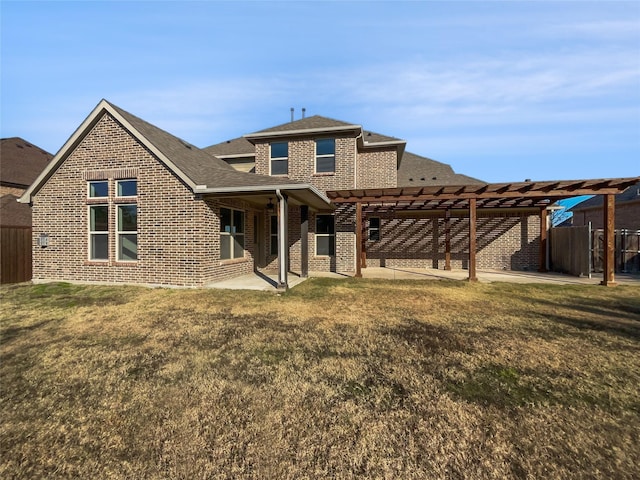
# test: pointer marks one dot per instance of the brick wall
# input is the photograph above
(302, 154)
(627, 216)
(377, 169)
(510, 243)
(178, 233)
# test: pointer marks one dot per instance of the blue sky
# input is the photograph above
(502, 91)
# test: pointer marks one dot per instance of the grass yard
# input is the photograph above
(335, 379)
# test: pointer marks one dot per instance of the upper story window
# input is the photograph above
(326, 155)
(99, 189)
(279, 158)
(126, 188)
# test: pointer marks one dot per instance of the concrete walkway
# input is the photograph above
(268, 281)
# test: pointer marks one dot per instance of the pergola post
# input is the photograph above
(543, 240)
(435, 243)
(358, 239)
(609, 210)
(447, 239)
(283, 241)
(472, 240)
(304, 241)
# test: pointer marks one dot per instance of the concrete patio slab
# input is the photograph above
(269, 281)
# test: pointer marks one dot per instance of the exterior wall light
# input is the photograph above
(270, 206)
(43, 240)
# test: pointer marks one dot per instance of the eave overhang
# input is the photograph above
(304, 194)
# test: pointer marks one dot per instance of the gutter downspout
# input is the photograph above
(283, 253)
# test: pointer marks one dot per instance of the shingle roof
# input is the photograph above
(201, 171)
(21, 162)
(310, 123)
(631, 193)
(372, 137)
(201, 167)
(236, 146)
(188, 156)
(421, 171)
(14, 213)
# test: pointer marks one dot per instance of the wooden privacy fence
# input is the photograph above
(570, 250)
(15, 254)
(580, 250)
(627, 251)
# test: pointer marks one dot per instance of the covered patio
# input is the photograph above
(531, 198)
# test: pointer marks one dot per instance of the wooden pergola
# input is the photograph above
(471, 199)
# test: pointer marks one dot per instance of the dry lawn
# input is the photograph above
(335, 379)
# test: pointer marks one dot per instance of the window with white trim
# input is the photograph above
(231, 234)
(374, 229)
(127, 232)
(126, 188)
(99, 232)
(279, 158)
(98, 189)
(273, 235)
(326, 155)
(325, 235)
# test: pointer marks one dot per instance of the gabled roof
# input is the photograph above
(415, 170)
(314, 123)
(630, 194)
(318, 125)
(21, 162)
(202, 172)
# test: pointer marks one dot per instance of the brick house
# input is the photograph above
(627, 210)
(124, 201)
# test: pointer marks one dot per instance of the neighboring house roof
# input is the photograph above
(202, 172)
(630, 194)
(21, 162)
(415, 170)
(13, 213)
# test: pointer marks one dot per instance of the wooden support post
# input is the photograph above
(358, 240)
(447, 239)
(543, 239)
(608, 276)
(363, 255)
(304, 241)
(435, 243)
(472, 240)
